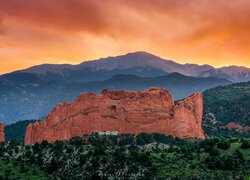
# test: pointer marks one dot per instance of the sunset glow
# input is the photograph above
(72, 31)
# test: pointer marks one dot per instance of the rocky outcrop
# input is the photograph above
(149, 111)
(233, 126)
(1, 133)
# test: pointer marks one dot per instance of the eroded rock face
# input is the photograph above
(1, 133)
(149, 111)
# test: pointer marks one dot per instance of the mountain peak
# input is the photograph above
(142, 53)
(176, 74)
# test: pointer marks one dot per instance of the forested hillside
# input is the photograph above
(16, 131)
(229, 103)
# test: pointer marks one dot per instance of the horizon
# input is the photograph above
(176, 61)
(74, 31)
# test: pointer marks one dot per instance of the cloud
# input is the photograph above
(2, 28)
(118, 18)
(202, 31)
(64, 15)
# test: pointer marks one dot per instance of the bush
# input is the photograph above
(214, 152)
(224, 145)
(245, 144)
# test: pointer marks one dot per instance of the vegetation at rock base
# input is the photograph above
(13, 169)
(146, 156)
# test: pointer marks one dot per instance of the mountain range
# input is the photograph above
(31, 93)
(138, 63)
(27, 96)
(177, 84)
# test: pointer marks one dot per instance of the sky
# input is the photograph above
(72, 31)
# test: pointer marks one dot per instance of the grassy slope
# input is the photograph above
(173, 165)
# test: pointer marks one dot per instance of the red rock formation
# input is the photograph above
(149, 111)
(233, 126)
(1, 133)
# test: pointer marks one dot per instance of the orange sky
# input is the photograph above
(215, 32)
